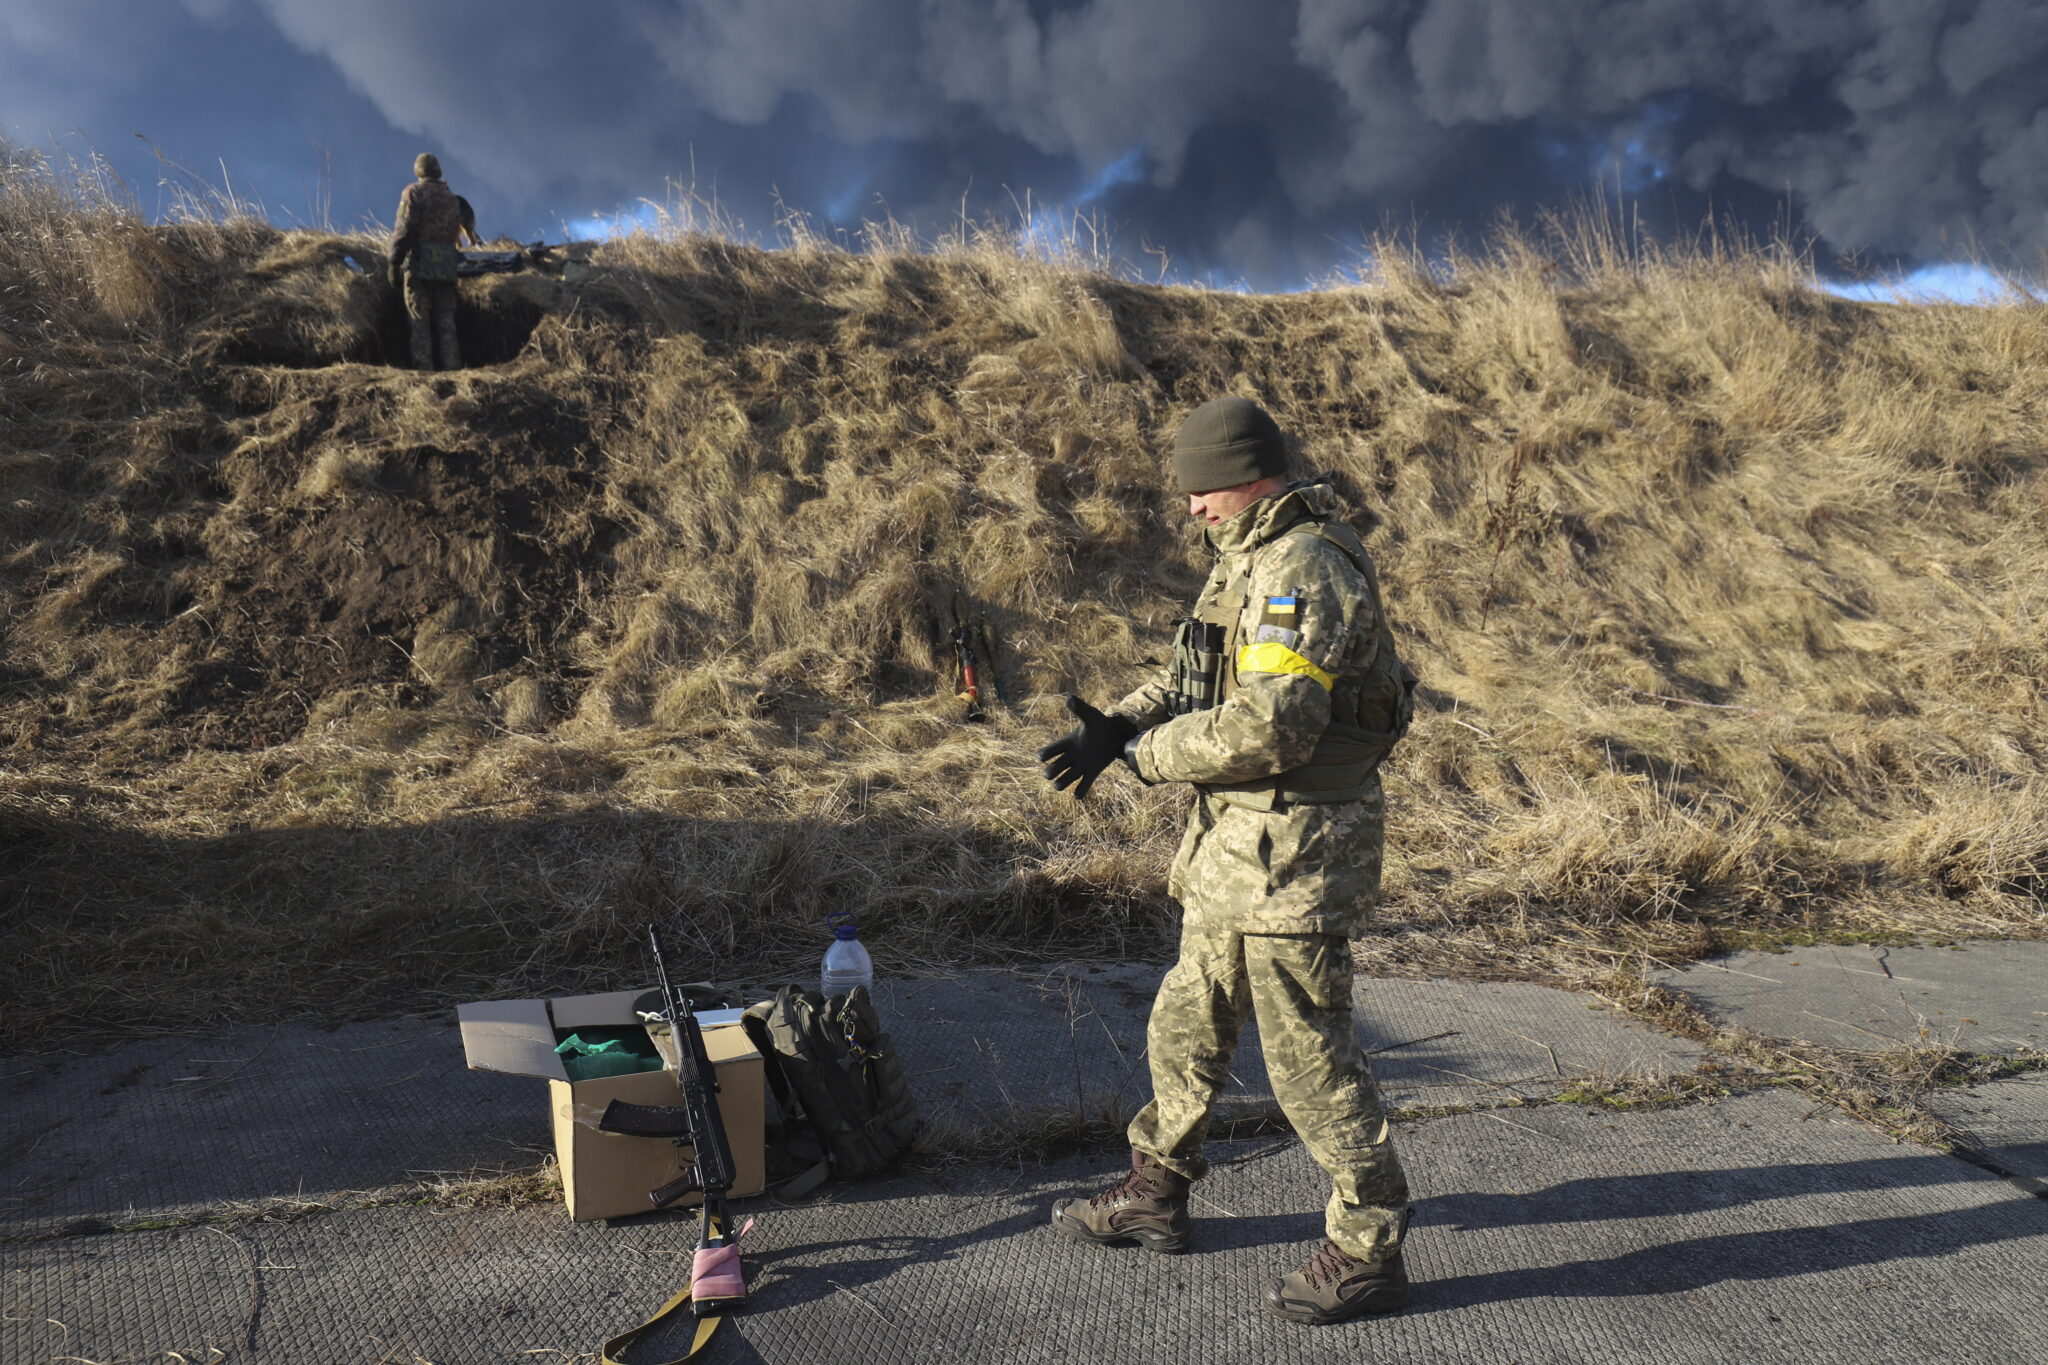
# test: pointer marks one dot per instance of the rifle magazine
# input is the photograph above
(645, 1120)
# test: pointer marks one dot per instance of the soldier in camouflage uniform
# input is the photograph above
(424, 249)
(1284, 695)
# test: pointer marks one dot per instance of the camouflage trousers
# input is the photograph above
(1299, 987)
(431, 306)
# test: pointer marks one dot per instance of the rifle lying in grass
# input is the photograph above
(715, 1279)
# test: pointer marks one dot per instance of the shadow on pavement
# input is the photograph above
(1674, 1266)
(1603, 1198)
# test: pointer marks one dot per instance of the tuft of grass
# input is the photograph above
(1713, 1080)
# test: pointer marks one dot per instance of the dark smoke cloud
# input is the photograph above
(1255, 139)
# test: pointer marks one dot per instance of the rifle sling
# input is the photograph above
(625, 1341)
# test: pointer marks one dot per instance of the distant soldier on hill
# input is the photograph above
(1283, 696)
(424, 255)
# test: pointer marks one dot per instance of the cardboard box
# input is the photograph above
(608, 1175)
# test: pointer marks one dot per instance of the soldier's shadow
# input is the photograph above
(1289, 1236)
(1628, 1222)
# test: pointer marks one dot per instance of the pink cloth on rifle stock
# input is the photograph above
(715, 1271)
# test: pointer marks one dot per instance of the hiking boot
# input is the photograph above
(1336, 1285)
(1150, 1207)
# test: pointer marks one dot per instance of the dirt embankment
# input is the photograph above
(324, 681)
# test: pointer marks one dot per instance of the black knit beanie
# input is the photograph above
(1227, 442)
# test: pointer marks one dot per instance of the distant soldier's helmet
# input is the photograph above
(427, 166)
(1227, 442)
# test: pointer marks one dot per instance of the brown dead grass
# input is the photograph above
(326, 685)
(509, 1188)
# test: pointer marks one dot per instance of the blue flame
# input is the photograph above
(844, 204)
(1053, 229)
(1122, 171)
(620, 222)
(1626, 153)
(1638, 169)
(1636, 164)
(1947, 282)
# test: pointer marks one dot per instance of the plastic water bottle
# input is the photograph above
(847, 963)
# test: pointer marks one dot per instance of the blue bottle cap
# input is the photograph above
(842, 925)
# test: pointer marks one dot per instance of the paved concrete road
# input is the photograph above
(1982, 997)
(173, 1126)
(2008, 1122)
(178, 1125)
(1751, 1230)
(1756, 1229)
(981, 1044)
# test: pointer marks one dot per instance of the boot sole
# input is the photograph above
(1381, 1301)
(1163, 1243)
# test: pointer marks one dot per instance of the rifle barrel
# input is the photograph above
(698, 1080)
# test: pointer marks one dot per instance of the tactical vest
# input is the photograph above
(434, 216)
(1368, 713)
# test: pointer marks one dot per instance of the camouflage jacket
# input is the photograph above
(428, 211)
(1287, 868)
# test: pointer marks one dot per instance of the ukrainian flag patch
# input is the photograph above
(1280, 613)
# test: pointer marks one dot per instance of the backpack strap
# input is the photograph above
(801, 1144)
(886, 1119)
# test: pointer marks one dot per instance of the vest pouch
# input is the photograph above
(1195, 678)
(1386, 704)
(433, 262)
(1404, 707)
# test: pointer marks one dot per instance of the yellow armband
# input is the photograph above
(1277, 658)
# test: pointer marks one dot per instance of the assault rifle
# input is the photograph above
(715, 1279)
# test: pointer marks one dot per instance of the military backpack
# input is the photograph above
(846, 1109)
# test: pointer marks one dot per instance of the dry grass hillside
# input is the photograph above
(329, 686)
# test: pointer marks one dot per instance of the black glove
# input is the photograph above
(1079, 758)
